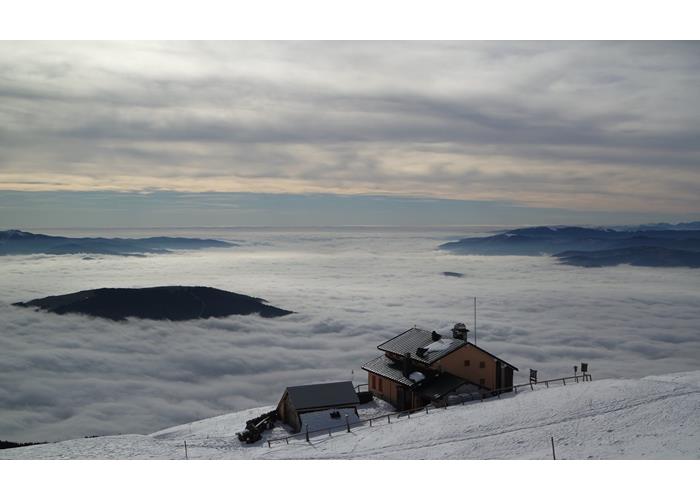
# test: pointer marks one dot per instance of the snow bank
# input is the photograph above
(654, 417)
(324, 419)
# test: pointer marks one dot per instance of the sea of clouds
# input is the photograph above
(71, 376)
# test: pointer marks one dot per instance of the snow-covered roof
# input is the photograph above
(387, 368)
(417, 338)
(440, 345)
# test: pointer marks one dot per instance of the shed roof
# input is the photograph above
(322, 395)
(432, 387)
(387, 368)
(416, 338)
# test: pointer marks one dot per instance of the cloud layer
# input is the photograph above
(68, 376)
(601, 126)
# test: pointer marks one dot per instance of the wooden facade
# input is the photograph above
(399, 395)
(478, 366)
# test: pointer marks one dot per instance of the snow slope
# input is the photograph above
(654, 417)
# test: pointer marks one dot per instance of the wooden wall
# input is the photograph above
(389, 391)
(454, 363)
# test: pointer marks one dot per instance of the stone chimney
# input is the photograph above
(459, 331)
(406, 365)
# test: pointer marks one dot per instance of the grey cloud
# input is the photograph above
(336, 114)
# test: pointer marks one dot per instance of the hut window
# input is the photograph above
(482, 364)
(380, 385)
(466, 362)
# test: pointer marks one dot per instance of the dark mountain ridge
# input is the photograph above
(590, 247)
(552, 240)
(15, 242)
(174, 303)
(635, 256)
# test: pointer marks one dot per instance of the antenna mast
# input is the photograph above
(474, 320)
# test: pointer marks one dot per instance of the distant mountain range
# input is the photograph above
(590, 247)
(15, 242)
(692, 226)
(635, 256)
(175, 303)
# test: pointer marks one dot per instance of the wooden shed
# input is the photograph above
(302, 399)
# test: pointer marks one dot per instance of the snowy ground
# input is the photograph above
(653, 417)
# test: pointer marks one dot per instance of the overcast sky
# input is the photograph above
(531, 132)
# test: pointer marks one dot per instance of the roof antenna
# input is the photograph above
(474, 320)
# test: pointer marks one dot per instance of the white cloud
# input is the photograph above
(66, 376)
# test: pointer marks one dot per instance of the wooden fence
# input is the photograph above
(463, 397)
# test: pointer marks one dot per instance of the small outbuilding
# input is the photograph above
(314, 398)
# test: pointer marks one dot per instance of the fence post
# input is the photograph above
(287, 439)
(564, 380)
(554, 457)
(388, 419)
(186, 458)
(307, 433)
(546, 384)
(370, 422)
(426, 410)
(268, 444)
(347, 422)
(329, 432)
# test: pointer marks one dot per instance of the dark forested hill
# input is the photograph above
(175, 303)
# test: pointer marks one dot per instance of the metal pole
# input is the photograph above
(554, 457)
(474, 320)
